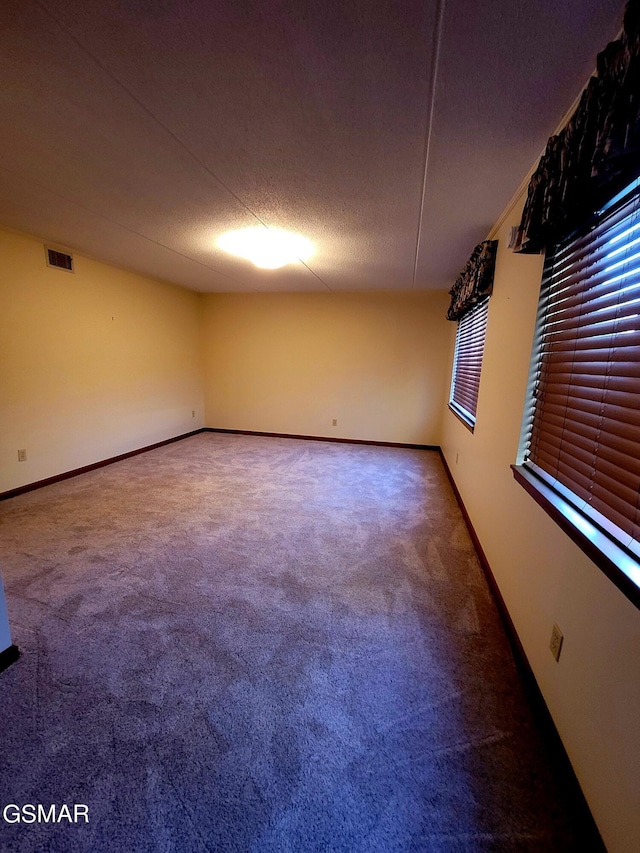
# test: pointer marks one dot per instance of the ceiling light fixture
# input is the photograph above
(267, 248)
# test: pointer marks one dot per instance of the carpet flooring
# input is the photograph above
(242, 643)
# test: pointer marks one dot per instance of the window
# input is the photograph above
(581, 430)
(467, 362)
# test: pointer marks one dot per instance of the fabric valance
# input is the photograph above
(597, 153)
(475, 281)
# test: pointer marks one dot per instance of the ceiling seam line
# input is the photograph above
(437, 40)
(166, 129)
(146, 109)
(126, 228)
(316, 275)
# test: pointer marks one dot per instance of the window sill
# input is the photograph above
(463, 416)
(618, 565)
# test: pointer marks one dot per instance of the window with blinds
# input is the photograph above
(467, 362)
(582, 422)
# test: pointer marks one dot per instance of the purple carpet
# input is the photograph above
(241, 643)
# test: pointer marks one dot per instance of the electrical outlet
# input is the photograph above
(22, 456)
(457, 458)
(556, 642)
(335, 422)
(193, 413)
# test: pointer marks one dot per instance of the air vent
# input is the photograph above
(60, 260)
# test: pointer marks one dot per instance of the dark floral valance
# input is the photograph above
(475, 281)
(596, 154)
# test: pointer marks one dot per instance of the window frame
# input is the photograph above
(596, 533)
(468, 356)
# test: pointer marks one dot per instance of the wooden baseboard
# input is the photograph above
(8, 656)
(325, 438)
(29, 487)
(65, 475)
(558, 754)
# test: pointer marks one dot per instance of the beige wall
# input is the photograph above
(92, 364)
(593, 692)
(291, 363)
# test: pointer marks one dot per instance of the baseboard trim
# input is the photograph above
(325, 438)
(561, 763)
(66, 475)
(9, 656)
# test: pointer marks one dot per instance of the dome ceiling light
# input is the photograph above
(267, 248)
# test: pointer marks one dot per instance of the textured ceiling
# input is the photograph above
(391, 133)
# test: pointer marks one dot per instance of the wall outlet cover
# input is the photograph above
(556, 642)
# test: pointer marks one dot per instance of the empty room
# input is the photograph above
(319, 431)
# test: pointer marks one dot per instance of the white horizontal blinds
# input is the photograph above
(584, 429)
(467, 362)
